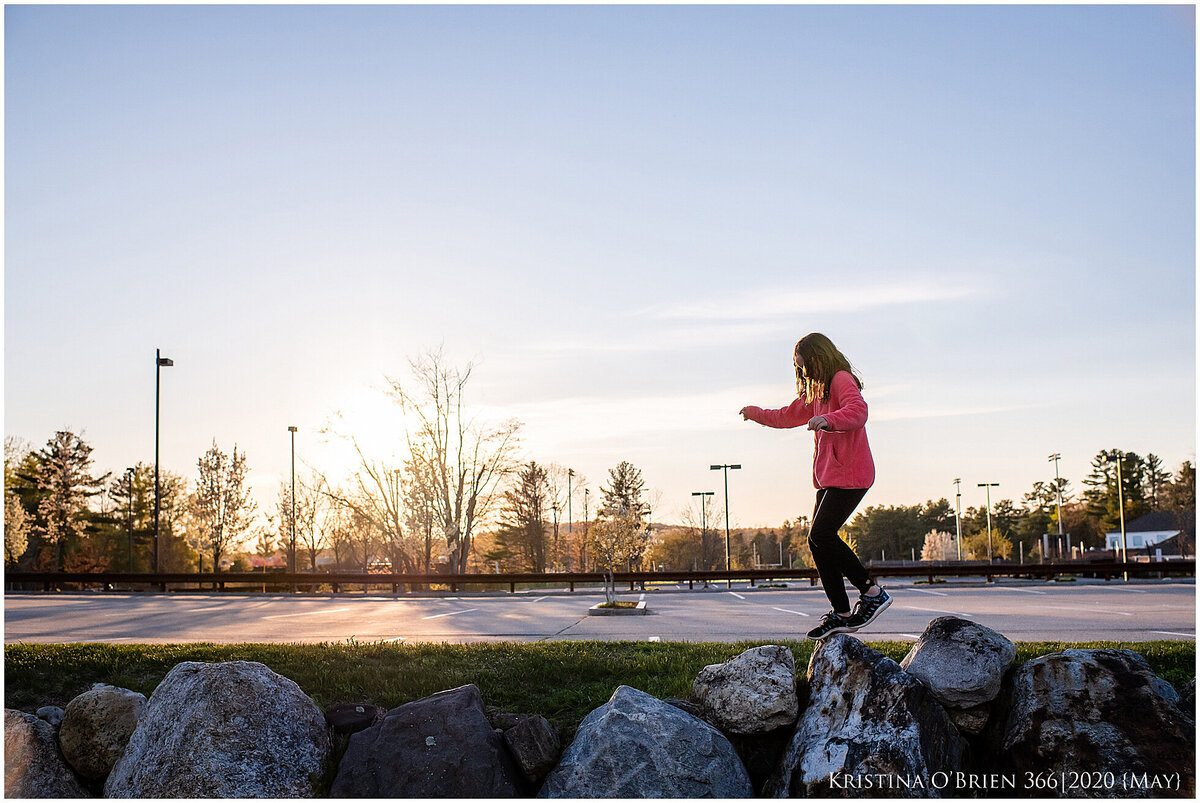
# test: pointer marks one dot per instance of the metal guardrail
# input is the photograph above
(55, 581)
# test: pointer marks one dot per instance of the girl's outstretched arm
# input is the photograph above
(795, 414)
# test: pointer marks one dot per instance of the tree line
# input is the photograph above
(462, 500)
(459, 501)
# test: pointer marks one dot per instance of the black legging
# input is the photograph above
(834, 558)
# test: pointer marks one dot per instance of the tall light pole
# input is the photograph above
(1118, 457)
(129, 481)
(1058, 488)
(958, 514)
(724, 469)
(292, 545)
(160, 362)
(989, 486)
(583, 550)
(703, 516)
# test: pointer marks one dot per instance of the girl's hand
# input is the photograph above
(748, 413)
(818, 422)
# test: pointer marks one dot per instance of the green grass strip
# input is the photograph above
(560, 680)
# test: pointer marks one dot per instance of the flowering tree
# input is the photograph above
(939, 546)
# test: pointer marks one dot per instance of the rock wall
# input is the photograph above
(954, 718)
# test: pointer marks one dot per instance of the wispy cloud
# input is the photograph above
(787, 302)
(636, 338)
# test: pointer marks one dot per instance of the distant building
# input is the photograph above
(1156, 531)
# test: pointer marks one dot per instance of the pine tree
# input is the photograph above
(623, 494)
(64, 477)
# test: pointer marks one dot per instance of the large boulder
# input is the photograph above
(637, 746)
(232, 729)
(963, 664)
(868, 725)
(96, 728)
(1094, 711)
(33, 767)
(440, 746)
(754, 692)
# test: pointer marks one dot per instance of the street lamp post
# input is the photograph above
(1118, 457)
(704, 520)
(129, 481)
(1058, 489)
(989, 486)
(159, 363)
(724, 469)
(292, 545)
(958, 514)
(583, 550)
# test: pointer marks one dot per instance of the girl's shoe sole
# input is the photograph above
(843, 629)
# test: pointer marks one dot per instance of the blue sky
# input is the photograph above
(627, 215)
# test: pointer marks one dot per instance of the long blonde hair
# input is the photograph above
(821, 360)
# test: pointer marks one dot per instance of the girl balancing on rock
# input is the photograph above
(830, 402)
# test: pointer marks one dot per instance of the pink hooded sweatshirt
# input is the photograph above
(841, 456)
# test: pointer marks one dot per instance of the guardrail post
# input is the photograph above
(512, 587)
(572, 585)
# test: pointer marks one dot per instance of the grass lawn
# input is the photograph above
(560, 680)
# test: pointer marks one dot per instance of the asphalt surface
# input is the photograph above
(1022, 610)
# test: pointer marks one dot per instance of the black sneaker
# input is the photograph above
(832, 623)
(869, 608)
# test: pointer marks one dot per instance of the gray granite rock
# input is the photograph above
(865, 717)
(961, 662)
(52, 714)
(33, 766)
(636, 746)
(754, 692)
(232, 729)
(534, 744)
(439, 746)
(97, 726)
(1085, 711)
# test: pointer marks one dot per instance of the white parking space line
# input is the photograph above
(642, 598)
(798, 613)
(1171, 633)
(1130, 590)
(654, 638)
(935, 610)
(452, 613)
(539, 599)
(734, 593)
(390, 640)
(305, 613)
(908, 635)
(935, 593)
(1021, 590)
(200, 610)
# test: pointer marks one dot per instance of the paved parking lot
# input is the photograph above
(1023, 611)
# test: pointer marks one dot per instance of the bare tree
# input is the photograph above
(420, 509)
(613, 541)
(336, 524)
(222, 507)
(462, 458)
(309, 535)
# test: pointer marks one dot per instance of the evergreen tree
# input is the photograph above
(65, 480)
(623, 494)
(521, 539)
(1157, 480)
